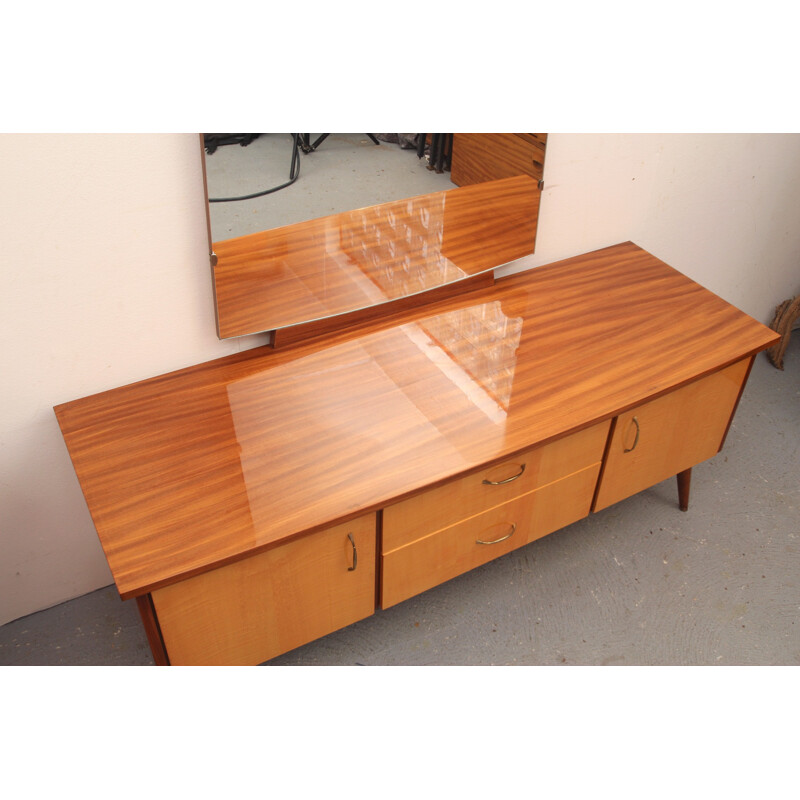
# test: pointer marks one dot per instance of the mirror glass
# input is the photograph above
(290, 248)
(344, 172)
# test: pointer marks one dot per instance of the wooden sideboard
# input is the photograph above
(259, 501)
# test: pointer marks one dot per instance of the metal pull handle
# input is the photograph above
(507, 480)
(355, 553)
(636, 440)
(502, 538)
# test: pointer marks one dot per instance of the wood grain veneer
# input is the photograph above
(209, 464)
(644, 448)
(438, 508)
(479, 157)
(253, 610)
(358, 259)
(444, 554)
(320, 327)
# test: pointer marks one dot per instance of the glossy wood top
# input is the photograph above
(357, 259)
(204, 465)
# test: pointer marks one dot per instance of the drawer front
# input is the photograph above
(268, 604)
(418, 566)
(465, 497)
(670, 434)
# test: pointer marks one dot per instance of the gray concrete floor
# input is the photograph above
(640, 583)
(347, 171)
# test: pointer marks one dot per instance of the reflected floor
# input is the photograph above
(348, 171)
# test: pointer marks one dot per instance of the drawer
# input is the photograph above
(438, 508)
(443, 555)
(268, 604)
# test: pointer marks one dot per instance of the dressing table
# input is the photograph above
(259, 501)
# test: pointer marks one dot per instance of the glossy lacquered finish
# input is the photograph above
(257, 608)
(210, 464)
(449, 552)
(481, 157)
(364, 258)
(644, 448)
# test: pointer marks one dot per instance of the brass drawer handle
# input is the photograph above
(355, 553)
(636, 440)
(502, 538)
(507, 480)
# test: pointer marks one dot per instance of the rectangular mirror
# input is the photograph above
(312, 267)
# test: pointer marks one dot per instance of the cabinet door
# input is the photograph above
(670, 434)
(258, 608)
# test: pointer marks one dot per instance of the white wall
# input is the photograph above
(106, 281)
(722, 209)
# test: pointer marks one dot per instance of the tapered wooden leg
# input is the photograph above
(148, 614)
(684, 482)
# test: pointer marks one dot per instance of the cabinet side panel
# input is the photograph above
(253, 610)
(670, 434)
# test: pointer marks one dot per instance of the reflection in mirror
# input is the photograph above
(282, 261)
(359, 260)
(346, 171)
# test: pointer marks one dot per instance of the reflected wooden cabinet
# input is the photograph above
(265, 499)
(479, 157)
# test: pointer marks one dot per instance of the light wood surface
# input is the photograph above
(210, 464)
(439, 508)
(669, 435)
(251, 611)
(479, 157)
(363, 258)
(443, 555)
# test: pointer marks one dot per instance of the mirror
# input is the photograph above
(293, 251)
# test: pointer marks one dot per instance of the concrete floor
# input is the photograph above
(640, 583)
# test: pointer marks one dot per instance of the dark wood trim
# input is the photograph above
(684, 485)
(736, 404)
(212, 258)
(603, 463)
(148, 613)
(378, 556)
